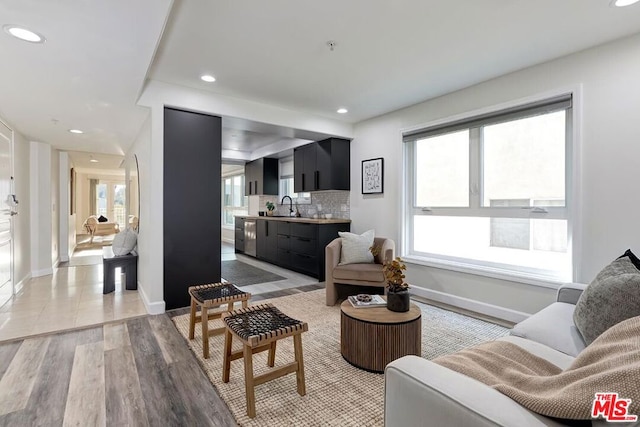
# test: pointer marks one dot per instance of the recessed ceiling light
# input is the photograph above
(24, 34)
(342, 111)
(208, 78)
(75, 131)
(623, 3)
(93, 161)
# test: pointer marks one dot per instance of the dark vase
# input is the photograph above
(398, 301)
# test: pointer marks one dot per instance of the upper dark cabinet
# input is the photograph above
(261, 177)
(322, 165)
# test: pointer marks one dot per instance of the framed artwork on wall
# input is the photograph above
(373, 176)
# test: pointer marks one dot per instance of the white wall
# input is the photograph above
(55, 205)
(150, 271)
(67, 242)
(40, 209)
(609, 149)
(21, 230)
(82, 201)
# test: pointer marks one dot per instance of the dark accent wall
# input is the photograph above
(192, 203)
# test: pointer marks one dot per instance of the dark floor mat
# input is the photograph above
(240, 273)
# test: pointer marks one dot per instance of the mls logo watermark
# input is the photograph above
(612, 408)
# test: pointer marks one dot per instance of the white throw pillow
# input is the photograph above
(356, 248)
(124, 242)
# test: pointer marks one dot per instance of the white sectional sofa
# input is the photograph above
(421, 393)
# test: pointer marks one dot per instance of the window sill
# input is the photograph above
(486, 271)
(228, 227)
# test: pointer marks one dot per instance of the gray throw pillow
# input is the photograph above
(356, 248)
(124, 242)
(613, 296)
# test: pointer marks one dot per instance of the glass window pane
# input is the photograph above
(442, 170)
(525, 160)
(523, 243)
(101, 200)
(237, 190)
(227, 192)
(118, 204)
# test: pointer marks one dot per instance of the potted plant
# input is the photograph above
(270, 208)
(397, 288)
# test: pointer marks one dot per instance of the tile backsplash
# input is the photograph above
(335, 203)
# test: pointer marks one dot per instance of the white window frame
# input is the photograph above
(570, 213)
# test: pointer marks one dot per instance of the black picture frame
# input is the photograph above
(373, 176)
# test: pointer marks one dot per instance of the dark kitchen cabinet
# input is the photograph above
(267, 240)
(322, 165)
(284, 244)
(239, 235)
(297, 246)
(261, 177)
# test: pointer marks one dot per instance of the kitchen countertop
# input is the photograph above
(294, 219)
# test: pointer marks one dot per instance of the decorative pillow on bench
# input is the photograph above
(124, 242)
(613, 296)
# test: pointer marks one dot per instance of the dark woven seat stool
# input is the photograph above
(210, 296)
(259, 328)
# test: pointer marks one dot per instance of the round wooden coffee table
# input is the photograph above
(370, 338)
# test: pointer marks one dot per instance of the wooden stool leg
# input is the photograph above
(248, 382)
(297, 346)
(271, 361)
(192, 319)
(226, 361)
(205, 332)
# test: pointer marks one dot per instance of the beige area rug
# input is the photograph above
(338, 394)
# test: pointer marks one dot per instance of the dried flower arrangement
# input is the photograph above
(393, 274)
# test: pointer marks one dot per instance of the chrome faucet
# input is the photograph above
(290, 204)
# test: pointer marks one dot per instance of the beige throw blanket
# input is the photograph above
(610, 364)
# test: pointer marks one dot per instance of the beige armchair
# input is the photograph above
(355, 274)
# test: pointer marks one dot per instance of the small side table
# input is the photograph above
(371, 338)
(129, 265)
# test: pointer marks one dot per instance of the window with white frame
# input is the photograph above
(234, 202)
(286, 183)
(492, 192)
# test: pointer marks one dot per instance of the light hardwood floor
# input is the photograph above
(138, 372)
(128, 369)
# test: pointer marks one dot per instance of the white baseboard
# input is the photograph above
(471, 305)
(152, 307)
(21, 283)
(43, 272)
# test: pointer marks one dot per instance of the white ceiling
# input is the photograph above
(388, 55)
(82, 161)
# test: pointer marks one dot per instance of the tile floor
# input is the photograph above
(69, 298)
(72, 296)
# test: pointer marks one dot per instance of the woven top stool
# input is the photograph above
(259, 328)
(209, 296)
